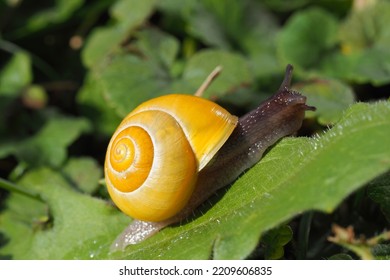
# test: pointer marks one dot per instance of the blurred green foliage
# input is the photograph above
(71, 70)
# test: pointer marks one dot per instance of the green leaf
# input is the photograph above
(381, 252)
(364, 41)
(135, 50)
(297, 175)
(249, 27)
(365, 27)
(84, 173)
(159, 47)
(49, 145)
(306, 38)
(19, 222)
(274, 241)
(129, 14)
(102, 42)
(15, 75)
(62, 10)
(235, 73)
(128, 81)
(257, 37)
(70, 226)
(94, 105)
(379, 191)
(210, 23)
(331, 98)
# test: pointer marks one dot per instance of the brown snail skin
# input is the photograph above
(279, 116)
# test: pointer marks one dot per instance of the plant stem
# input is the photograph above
(7, 185)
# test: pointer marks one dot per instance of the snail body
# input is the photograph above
(220, 147)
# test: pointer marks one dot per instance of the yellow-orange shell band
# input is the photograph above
(130, 158)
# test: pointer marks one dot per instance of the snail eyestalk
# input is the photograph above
(287, 77)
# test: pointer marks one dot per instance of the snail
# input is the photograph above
(173, 152)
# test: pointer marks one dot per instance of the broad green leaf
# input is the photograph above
(94, 106)
(20, 219)
(205, 27)
(369, 66)
(15, 75)
(235, 73)
(249, 27)
(298, 174)
(84, 173)
(364, 39)
(160, 48)
(210, 23)
(136, 50)
(372, 67)
(307, 38)
(49, 145)
(365, 27)
(259, 39)
(379, 191)
(102, 42)
(129, 14)
(128, 81)
(331, 98)
(79, 226)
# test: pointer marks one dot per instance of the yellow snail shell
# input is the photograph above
(155, 154)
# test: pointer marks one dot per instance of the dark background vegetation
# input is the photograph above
(65, 84)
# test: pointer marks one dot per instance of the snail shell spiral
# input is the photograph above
(154, 156)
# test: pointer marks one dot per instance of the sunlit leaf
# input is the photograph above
(129, 14)
(338, 162)
(69, 225)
